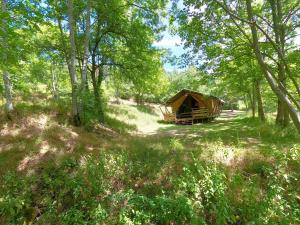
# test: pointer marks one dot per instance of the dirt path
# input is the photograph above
(229, 115)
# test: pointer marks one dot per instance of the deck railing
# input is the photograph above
(195, 114)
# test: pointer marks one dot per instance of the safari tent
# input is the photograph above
(188, 107)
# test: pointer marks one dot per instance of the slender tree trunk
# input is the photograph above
(268, 73)
(54, 83)
(97, 94)
(72, 63)
(252, 101)
(5, 74)
(260, 107)
(117, 95)
(86, 46)
(246, 102)
(280, 113)
(7, 91)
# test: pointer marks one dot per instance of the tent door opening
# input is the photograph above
(186, 108)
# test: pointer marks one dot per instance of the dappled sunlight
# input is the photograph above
(7, 131)
(226, 140)
(35, 139)
(33, 159)
(62, 137)
(217, 152)
(142, 155)
(150, 112)
(143, 118)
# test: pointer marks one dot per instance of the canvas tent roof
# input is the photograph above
(192, 93)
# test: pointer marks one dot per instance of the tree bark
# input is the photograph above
(268, 73)
(246, 103)
(54, 83)
(96, 82)
(5, 74)
(117, 95)
(72, 66)
(282, 117)
(260, 107)
(86, 46)
(252, 102)
(7, 91)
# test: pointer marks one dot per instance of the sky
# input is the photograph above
(172, 43)
(175, 45)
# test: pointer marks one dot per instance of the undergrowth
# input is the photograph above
(230, 171)
(99, 190)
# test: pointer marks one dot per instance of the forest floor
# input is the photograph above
(154, 153)
(38, 132)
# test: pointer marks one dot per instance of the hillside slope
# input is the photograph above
(139, 171)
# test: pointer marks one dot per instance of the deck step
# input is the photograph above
(185, 121)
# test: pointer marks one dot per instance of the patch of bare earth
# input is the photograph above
(31, 140)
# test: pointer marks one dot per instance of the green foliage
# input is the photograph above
(90, 109)
(95, 189)
(192, 79)
(206, 186)
(158, 210)
(220, 45)
(159, 179)
(143, 85)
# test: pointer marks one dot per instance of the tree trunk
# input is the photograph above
(260, 107)
(246, 103)
(282, 42)
(97, 94)
(268, 73)
(117, 95)
(7, 91)
(72, 63)
(282, 118)
(86, 46)
(54, 83)
(5, 74)
(252, 102)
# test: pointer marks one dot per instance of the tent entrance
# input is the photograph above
(186, 108)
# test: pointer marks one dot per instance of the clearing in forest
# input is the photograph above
(140, 164)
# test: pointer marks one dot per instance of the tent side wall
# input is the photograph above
(214, 105)
(176, 104)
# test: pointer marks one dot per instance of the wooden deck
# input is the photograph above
(190, 117)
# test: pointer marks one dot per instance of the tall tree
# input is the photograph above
(221, 21)
(5, 74)
(260, 107)
(86, 45)
(280, 40)
(72, 65)
(269, 75)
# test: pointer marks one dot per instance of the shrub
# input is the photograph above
(98, 190)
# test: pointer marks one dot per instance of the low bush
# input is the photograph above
(98, 190)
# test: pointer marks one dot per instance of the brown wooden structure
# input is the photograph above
(189, 107)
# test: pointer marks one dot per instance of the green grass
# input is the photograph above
(233, 170)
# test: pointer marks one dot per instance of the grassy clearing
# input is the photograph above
(230, 171)
(143, 119)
